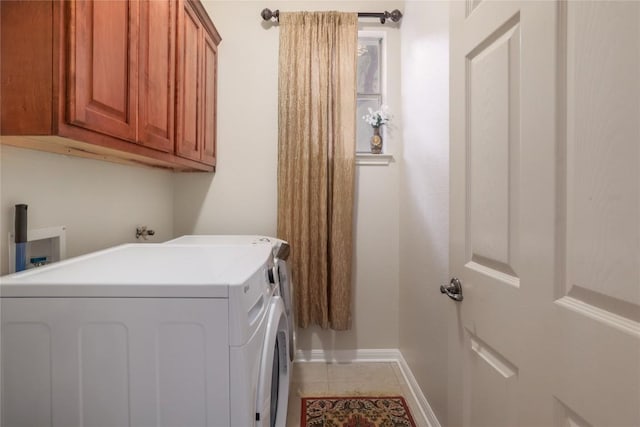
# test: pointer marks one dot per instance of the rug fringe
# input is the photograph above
(351, 393)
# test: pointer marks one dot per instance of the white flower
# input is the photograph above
(379, 117)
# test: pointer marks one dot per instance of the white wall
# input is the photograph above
(242, 195)
(424, 197)
(100, 203)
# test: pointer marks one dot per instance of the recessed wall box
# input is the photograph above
(44, 246)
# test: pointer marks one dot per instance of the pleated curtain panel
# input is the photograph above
(316, 160)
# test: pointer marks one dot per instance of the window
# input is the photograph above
(370, 84)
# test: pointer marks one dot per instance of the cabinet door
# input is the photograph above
(209, 79)
(157, 74)
(189, 117)
(102, 67)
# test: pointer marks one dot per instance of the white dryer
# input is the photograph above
(166, 335)
(282, 273)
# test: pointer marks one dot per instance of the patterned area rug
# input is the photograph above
(388, 411)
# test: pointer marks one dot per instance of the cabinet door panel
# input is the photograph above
(209, 77)
(102, 67)
(157, 73)
(24, 109)
(189, 115)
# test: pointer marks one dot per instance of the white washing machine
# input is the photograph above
(146, 334)
(280, 249)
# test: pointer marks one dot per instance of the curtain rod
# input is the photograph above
(395, 15)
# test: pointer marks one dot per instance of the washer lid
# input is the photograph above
(143, 270)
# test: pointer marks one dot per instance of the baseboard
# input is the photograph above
(423, 404)
(348, 356)
(375, 355)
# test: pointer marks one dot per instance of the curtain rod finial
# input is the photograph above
(267, 14)
(395, 15)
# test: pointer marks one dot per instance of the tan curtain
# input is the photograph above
(316, 160)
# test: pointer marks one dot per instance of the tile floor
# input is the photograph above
(344, 379)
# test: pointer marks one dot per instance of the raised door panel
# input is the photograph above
(493, 119)
(189, 130)
(602, 177)
(157, 74)
(209, 114)
(598, 290)
(102, 67)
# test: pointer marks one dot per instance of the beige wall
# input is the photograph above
(424, 197)
(401, 209)
(100, 203)
(241, 196)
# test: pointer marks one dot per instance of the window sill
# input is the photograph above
(368, 159)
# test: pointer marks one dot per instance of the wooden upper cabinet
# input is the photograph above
(197, 74)
(122, 69)
(103, 67)
(209, 99)
(122, 80)
(156, 81)
(189, 76)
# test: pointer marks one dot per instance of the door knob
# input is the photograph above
(453, 289)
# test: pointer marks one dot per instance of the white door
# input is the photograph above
(545, 213)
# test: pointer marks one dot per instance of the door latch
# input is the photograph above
(453, 289)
